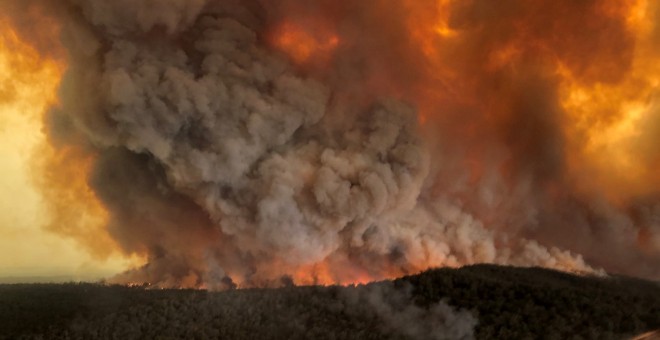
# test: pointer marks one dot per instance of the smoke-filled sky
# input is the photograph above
(27, 87)
(213, 143)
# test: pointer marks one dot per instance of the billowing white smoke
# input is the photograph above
(220, 159)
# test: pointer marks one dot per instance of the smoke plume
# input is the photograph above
(242, 142)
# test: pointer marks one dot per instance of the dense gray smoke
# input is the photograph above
(228, 161)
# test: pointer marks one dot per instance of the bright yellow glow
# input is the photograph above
(606, 120)
(442, 20)
(28, 85)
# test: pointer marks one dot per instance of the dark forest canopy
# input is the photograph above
(503, 302)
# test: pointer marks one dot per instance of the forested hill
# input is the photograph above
(482, 301)
(513, 302)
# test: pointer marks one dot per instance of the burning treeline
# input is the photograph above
(242, 142)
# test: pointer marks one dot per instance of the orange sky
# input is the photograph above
(27, 87)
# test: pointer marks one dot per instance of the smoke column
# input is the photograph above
(243, 142)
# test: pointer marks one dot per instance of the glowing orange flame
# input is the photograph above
(325, 273)
(304, 45)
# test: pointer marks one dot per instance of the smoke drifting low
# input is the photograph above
(243, 142)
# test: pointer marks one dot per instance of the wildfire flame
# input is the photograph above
(304, 45)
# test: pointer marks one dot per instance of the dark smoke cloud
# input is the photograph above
(226, 163)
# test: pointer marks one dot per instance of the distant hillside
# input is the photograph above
(482, 301)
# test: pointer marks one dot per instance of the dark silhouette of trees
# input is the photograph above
(507, 302)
